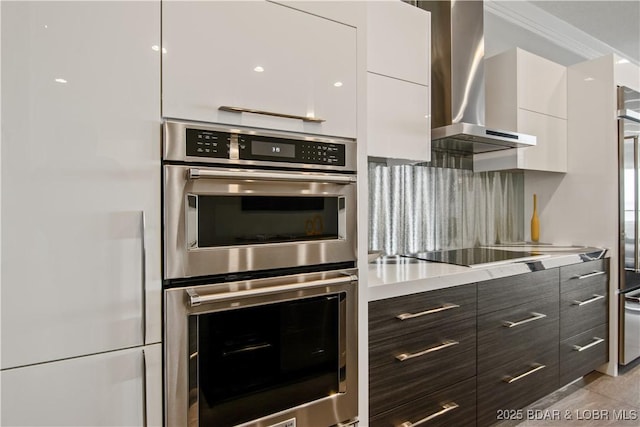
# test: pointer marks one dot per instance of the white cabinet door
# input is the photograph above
(152, 375)
(398, 123)
(550, 152)
(399, 41)
(260, 56)
(350, 12)
(80, 164)
(101, 390)
(542, 85)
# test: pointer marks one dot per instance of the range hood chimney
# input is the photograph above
(457, 81)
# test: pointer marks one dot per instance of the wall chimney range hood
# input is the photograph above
(457, 82)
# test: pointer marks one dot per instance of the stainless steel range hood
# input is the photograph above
(457, 82)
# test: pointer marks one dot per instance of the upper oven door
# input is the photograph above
(223, 220)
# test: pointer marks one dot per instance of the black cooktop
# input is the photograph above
(471, 257)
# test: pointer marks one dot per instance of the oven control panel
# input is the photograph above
(290, 150)
(207, 143)
(236, 146)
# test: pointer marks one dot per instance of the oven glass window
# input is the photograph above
(256, 361)
(249, 220)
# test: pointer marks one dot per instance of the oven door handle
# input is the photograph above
(194, 299)
(195, 173)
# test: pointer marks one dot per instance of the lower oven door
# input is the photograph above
(267, 352)
(220, 221)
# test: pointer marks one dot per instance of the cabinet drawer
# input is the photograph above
(496, 393)
(431, 309)
(575, 276)
(393, 382)
(498, 294)
(583, 353)
(515, 333)
(583, 309)
(453, 406)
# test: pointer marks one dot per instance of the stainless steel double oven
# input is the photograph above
(260, 298)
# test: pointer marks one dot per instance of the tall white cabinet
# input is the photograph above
(80, 212)
(277, 67)
(398, 81)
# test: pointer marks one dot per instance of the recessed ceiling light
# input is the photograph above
(155, 47)
(258, 69)
(337, 84)
(61, 80)
(589, 79)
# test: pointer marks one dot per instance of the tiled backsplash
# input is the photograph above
(415, 208)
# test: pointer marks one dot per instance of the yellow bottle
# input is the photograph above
(535, 221)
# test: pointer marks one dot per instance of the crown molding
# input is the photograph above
(531, 18)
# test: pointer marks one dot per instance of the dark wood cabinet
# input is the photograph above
(451, 406)
(504, 293)
(583, 353)
(518, 334)
(461, 355)
(513, 334)
(403, 315)
(419, 345)
(584, 315)
(419, 364)
(515, 385)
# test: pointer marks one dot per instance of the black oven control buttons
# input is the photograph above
(234, 146)
(206, 143)
(291, 151)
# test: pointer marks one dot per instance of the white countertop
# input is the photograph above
(393, 280)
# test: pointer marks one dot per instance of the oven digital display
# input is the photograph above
(273, 149)
(284, 150)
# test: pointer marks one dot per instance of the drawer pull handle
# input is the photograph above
(406, 356)
(443, 307)
(585, 276)
(445, 408)
(535, 367)
(269, 113)
(595, 342)
(535, 316)
(595, 298)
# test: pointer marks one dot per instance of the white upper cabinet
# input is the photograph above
(261, 56)
(399, 41)
(528, 94)
(80, 166)
(399, 76)
(542, 85)
(397, 112)
(347, 12)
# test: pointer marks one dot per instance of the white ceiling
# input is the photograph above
(616, 23)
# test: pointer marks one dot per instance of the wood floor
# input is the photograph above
(596, 400)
